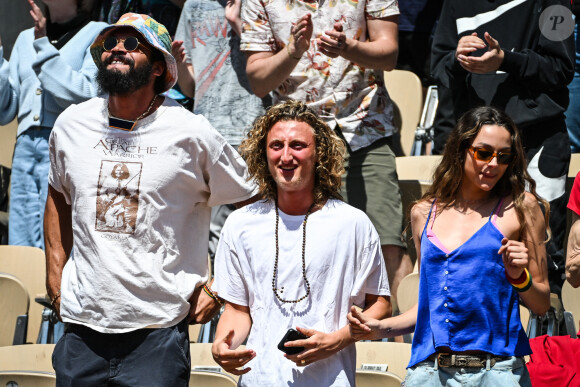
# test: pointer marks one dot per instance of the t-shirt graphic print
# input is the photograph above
(118, 196)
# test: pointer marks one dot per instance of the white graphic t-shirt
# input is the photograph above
(140, 212)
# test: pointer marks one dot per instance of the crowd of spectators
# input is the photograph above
(258, 73)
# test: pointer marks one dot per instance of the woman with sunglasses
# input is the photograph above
(480, 243)
(50, 68)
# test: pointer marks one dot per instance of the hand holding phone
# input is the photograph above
(291, 335)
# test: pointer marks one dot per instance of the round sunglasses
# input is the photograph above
(130, 44)
(483, 154)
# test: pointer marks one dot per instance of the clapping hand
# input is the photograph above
(333, 43)
(39, 20)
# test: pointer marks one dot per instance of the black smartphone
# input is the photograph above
(291, 335)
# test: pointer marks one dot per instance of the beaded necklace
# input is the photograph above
(274, 288)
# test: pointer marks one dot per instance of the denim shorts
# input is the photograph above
(506, 373)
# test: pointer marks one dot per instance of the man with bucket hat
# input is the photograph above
(133, 176)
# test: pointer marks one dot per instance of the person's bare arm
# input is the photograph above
(233, 328)
(573, 252)
(379, 52)
(201, 306)
(267, 70)
(364, 326)
(58, 240)
(320, 345)
(185, 72)
(232, 14)
(530, 252)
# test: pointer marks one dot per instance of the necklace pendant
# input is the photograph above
(119, 123)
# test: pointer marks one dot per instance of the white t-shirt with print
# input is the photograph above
(343, 263)
(140, 212)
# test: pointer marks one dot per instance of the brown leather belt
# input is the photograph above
(467, 361)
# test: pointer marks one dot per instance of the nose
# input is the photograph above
(286, 154)
(120, 46)
(493, 161)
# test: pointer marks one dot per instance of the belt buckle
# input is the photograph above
(442, 358)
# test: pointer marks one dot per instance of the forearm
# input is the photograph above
(65, 84)
(186, 80)
(399, 325)
(266, 71)
(236, 318)
(537, 298)
(58, 239)
(378, 55)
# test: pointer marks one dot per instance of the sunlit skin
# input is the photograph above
(479, 177)
(125, 106)
(124, 57)
(291, 155)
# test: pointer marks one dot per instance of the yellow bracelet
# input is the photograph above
(210, 293)
(290, 55)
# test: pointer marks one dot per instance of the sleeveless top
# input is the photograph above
(465, 300)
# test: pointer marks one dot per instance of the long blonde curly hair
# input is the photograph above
(330, 151)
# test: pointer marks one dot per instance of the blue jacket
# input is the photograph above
(40, 81)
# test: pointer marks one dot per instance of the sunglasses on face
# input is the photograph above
(487, 155)
(130, 44)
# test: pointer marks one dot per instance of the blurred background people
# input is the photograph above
(50, 68)
(212, 71)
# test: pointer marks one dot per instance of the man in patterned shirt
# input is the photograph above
(332, 55)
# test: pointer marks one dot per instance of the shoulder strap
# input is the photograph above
(433, 206)
(496, 209)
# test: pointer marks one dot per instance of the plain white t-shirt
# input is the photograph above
(140, 211)
(343, 263)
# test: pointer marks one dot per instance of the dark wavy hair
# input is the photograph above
(330, 150)
(448, 175)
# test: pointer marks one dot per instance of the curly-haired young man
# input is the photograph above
(298, 258)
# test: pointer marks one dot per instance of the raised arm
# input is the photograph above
(58, 241)
(530, 253)
(233, 328)
(185, 72)
(267, 70)
(66, 84)
(379, 52)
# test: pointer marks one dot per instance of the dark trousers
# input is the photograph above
(146, 357)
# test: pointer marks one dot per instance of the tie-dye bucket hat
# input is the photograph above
(154, 33)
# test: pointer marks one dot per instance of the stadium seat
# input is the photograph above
(375, 379)
(29, 266)
(406, 91)
(14, 303)
(395, 356)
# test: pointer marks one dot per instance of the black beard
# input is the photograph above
(115, 82)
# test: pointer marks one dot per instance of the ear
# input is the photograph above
(158, 68)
